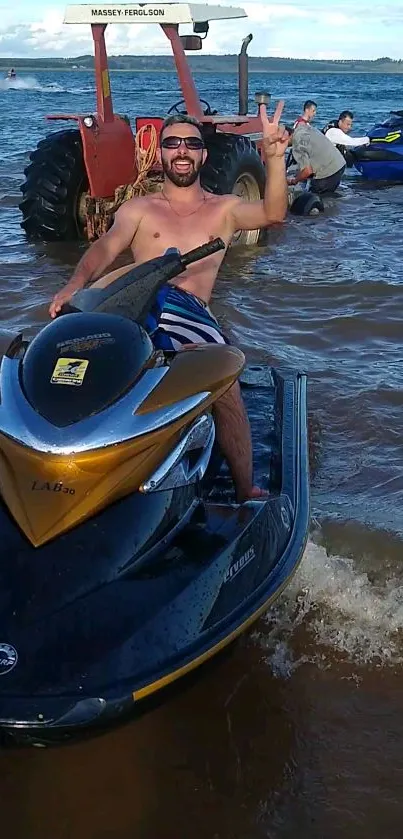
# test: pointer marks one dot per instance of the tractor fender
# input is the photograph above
(108, 150)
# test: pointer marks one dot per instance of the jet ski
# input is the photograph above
(382, 160)
(125, 564)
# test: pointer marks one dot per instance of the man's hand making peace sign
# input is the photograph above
(275, 136)
(272, 209)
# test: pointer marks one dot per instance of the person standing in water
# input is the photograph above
(317, 158)
(338, 130)
(309, 113)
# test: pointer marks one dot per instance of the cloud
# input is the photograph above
(302, 30)
(337, 19)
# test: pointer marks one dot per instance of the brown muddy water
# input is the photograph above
(297, 730)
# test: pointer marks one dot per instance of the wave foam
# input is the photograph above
(331, 606)
(29, 83)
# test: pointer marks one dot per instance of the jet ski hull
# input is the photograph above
(380, 164)
(382, 160)
(86, 656)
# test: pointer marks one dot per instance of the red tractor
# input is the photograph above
(78, 177)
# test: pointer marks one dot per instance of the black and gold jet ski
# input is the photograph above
(123, 565)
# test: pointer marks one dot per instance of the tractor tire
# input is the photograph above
(233, 166)
(55, 181)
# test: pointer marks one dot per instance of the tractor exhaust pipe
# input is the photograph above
(243, 76)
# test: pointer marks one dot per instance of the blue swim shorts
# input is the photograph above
(179, 317)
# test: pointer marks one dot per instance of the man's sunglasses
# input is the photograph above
(191, 143)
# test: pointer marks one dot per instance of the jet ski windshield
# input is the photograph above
(395, 119)
(78, 365)
(390, 126)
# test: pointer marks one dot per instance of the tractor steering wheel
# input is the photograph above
(175, 108)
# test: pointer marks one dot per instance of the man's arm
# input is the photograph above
(338, 137)
(101, 253)
(302, 175)
(250, 215)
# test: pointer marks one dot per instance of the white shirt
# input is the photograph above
(339, 138)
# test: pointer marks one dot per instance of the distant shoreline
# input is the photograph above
(217, 72)
(212, 64)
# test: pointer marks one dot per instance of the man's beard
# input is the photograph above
(187, 178)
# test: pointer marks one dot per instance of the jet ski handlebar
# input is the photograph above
(201, 252)
(145, 279)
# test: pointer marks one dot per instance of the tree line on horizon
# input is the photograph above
(210, 63)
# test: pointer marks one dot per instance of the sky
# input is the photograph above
(334, 29)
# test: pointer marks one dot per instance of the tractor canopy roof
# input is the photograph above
(162, 13)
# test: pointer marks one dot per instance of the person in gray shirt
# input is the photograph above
(317, 158)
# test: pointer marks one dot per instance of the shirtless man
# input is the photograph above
(184, 216)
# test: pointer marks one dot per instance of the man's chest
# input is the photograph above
(163, 228)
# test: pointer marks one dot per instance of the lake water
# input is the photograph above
(297, 730)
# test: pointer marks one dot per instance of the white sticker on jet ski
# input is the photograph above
(8, 658)
(239, 564)
(69, 371)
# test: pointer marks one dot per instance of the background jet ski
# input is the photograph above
(383, 159)
(122, 565)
